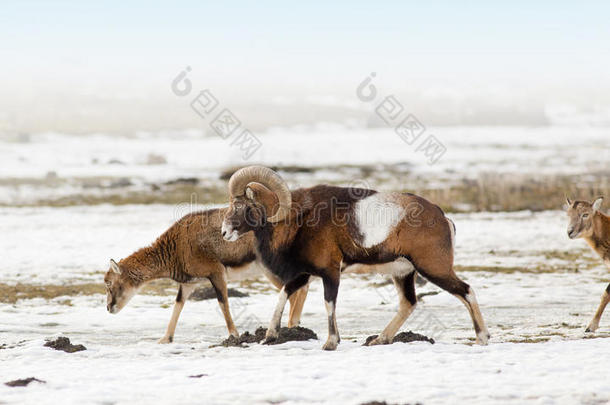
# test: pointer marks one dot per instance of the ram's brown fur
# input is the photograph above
(320, 237)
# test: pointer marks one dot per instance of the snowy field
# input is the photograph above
(537, 290)
(469, 150)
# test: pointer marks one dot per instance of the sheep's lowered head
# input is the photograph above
(119, 288)
(258, 196)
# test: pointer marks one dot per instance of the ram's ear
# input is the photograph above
(258, 192)
(250, 194)
(115, 267)
(597, 204)
(568, 201)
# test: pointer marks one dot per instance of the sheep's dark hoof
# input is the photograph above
(483, 338)
(375, 340)
(269, 340)
(165, 340)
(591, 328)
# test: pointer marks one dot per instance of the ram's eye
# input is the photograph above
(585, 216)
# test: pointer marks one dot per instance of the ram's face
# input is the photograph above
(119, 290)
(243, 216)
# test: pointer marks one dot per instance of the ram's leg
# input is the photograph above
(331, 289)
(405, 285)
(297, 300)
(600, 310)
(438, 269)
(184, 291)
(286, 291)
(219, 282)
(470, 301)
(466, 295)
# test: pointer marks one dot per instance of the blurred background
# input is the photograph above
(515, 97)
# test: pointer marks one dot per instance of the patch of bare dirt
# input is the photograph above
(386, 403)
(23, 382)
(208, 293)
(295, 334)
(63, 343)
(403, 337)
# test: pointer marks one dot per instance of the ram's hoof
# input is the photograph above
(591, 329)
(483, 338)
(379, 340)
(331, 344)
(271, 336)
(269, 340)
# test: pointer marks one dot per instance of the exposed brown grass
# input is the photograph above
(12, 293)
(486, 192)
(495, 192)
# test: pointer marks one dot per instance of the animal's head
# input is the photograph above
(255, 192)
(581, 214)
(119, 288)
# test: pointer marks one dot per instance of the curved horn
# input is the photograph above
(270, 179)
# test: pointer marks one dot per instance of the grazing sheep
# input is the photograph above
(189, 252)
(588, 222)
(321, 230)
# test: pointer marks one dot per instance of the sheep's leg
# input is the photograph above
(470, 301)
(405, 285)
(331, 289)
(219, 282)
(286, 292)
(297, 300)
(448, 281)
(184, 291)
(602, 305)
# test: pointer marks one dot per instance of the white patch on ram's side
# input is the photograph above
(376, 217)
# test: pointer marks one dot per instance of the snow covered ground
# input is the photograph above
(469, 150)
(537, 288)
(537, 291)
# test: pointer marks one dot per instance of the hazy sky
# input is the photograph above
(313, 43)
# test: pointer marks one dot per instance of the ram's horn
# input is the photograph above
(270, 179)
